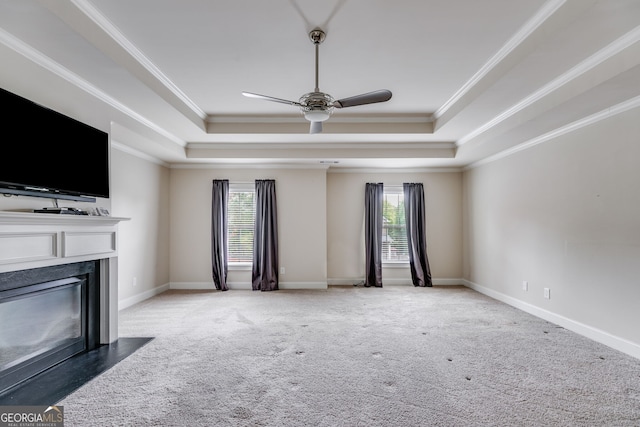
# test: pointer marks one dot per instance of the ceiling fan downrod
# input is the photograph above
(317, 36)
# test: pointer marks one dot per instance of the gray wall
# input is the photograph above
(345, 216)
(140, 192)
(301, 195)
(320, 218)
(563, 215)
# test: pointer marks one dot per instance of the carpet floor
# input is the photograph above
(393, 356)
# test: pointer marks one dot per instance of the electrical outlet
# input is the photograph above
(135, 282)
(547, 293)
(525, 285)
(281, 270)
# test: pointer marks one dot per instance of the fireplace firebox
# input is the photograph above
(47, 315)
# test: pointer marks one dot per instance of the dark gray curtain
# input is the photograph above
(416, 234)
(264, 273)
(373, 234)
(219, 258)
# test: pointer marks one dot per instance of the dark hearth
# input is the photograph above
(56, 383)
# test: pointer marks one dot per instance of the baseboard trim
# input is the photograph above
(128, 302)
(447, 282)
(617, 343)
(393, 282)
(200, 286)
(345, 281)
(246, 285)
(303, 285)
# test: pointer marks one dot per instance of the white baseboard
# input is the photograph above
(448, 282)
(128, 302)
(345, 281)
(392, 282)
(617, 343)
(302, 285)
(193, 286)
(246, 285)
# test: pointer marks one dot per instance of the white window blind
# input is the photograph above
(394, 230)
(240, 222)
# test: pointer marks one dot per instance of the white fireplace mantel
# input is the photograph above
(29, 240)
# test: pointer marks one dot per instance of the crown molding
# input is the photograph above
(114, 33)
(338, 118)
(508, 48)
(295, 123)
(52, 66)
(589, 64)
(434, 169)
(319, 145)
(571, 127)
(137, 153)
(252, 165)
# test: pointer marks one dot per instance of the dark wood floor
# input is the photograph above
(56, 383)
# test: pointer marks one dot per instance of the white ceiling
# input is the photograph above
(471, 79)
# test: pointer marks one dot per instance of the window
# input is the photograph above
(240, 222)
(394, 231)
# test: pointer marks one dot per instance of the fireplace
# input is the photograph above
(47, 315)
(58, 290)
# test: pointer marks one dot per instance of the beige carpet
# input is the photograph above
(396, 356)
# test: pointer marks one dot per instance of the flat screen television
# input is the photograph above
(46, 154)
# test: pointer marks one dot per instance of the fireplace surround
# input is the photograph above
(64, 269)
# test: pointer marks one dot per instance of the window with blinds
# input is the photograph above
(394, 230)
(240, 221)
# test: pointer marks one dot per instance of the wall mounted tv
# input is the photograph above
(46, 154)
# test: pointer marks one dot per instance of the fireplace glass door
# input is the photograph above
(40, 325)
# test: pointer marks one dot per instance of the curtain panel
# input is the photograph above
(373, 234)
(414, 212)
(264, 274)
(219, 255)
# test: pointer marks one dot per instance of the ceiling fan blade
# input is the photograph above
(316, 127)
(270, 98)
(366, 98)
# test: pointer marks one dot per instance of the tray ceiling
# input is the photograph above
(470, 80)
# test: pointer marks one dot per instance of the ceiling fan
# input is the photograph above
(318, 106)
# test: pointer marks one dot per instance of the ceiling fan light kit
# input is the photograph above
(318, 106)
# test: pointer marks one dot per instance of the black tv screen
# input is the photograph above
(47, 154)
